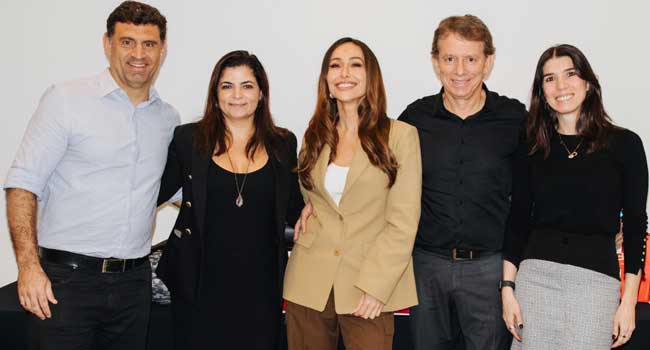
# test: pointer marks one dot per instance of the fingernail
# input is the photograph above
(521, 326)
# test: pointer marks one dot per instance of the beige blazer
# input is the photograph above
(365, 243)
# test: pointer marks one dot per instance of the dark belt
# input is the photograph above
(90, 263)
(458, 254)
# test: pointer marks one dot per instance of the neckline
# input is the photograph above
(249, 173)
(566, 135)
(332, 164)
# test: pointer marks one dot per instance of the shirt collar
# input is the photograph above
(107, 85)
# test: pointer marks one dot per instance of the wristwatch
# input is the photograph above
(510, 284)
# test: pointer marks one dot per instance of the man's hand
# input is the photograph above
(35, 291)
(34, 288)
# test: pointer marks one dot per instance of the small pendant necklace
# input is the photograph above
(569, 153)
(239, 201)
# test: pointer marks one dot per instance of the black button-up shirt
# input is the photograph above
(466, 171)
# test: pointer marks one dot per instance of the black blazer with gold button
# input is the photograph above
(182, 260)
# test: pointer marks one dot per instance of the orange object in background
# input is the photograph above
(644, 287)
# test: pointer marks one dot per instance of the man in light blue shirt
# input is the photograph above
(90, 164)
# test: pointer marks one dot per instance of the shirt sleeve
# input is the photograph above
(43, 145)
(518, 223)
(635, 192)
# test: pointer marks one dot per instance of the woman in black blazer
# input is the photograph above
(224, 260)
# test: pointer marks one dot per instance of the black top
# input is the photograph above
(466, 171)
(567, 210)
(240, 241)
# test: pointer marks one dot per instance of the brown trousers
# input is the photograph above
(308, 329)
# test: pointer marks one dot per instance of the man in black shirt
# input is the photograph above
(468, 136)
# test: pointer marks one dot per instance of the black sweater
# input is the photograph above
(567, 210)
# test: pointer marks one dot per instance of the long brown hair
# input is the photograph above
(374, 124)
(593, 125)
(212, 136)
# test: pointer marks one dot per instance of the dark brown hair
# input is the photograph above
(593, 125)
(212, 136)
(374, 124)
(469, 27)
(136, 13)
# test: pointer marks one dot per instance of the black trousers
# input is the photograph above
(95, 310)
(458, 301)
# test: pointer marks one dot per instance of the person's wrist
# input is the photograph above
(506, 284)
(31, 265)
(507, 293)
(628, 302)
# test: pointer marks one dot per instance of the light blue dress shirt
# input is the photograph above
(95, 161)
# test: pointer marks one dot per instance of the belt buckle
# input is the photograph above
(107, 262)
(469, 254)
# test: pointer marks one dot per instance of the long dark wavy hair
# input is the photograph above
(374, 124)
(213, 137)
(593, 125)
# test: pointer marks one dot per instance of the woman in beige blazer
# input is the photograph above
(361, 171)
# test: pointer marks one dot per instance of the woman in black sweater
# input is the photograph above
(574, 174)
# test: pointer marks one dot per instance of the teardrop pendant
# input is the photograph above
(572, 155)
(239, 201)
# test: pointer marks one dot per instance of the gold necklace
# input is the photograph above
(570, 154)
(239, 201)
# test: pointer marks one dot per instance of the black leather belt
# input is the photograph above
(74, 260)
(458, 254)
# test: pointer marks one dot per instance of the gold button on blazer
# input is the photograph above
(365, 243)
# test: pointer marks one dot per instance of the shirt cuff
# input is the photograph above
(18, 178)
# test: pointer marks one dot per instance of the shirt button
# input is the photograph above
(340, 217)
(188, 204)
(189, 176)
(337, 252)
(188, 231)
